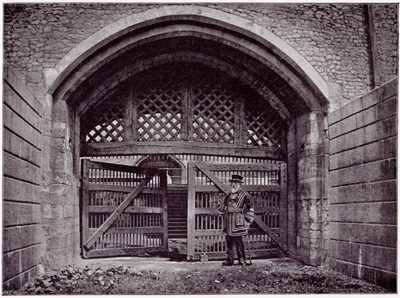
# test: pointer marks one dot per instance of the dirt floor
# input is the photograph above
(161, 276)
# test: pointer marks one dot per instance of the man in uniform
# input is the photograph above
(238, 210)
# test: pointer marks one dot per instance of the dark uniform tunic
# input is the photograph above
(238, 209)
(238, 212)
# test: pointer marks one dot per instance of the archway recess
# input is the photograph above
(252, 60)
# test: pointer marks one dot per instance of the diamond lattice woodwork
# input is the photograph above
(214, 115)
(159, 115)
(106, 123)
(264, 128)
(176, 108)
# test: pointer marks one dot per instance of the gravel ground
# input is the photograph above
(160, 276)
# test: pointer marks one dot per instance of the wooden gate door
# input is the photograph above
(124, 210)
(209, 183)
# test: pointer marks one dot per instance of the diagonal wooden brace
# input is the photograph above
(213, 178)
(270, 233)
(257, 219)
(103, 228)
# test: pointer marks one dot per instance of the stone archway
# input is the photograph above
(257, 58)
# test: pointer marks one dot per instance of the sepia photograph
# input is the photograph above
(199, 148)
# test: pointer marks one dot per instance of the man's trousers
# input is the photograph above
(231, 241)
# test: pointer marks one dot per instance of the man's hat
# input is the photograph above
(236, 178)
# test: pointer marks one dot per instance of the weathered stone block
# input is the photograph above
(379, 257)
(19, 237)
(375, 171)
(379, 212)
(11, 261)
(29, 257)
(17, 190)
(375, 191)
(20, 169)
(378, 234)
(20, 213)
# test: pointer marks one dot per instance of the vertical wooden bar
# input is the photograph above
(191, 209)
(163, 186)
(190, 114)
(184, 119)
(85, 202)
(283, 212)
(129, 117)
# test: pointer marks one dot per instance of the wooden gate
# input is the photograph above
(209, 183)
(124, 210)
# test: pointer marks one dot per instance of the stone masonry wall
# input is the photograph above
(386, 23)
(22, 145)
(332, 37)
(363, 198)
(312, 204)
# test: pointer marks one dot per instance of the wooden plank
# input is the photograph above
(191, 170)
(264, 188)
(117, 212)
(121, 167)
(85, 200)
(239, 121)
(178, 147)
(259, 210)
(114, 252)
(283, 212)
(190, 113)
(184, 119)
(164, 185)
(270, 233)
(130, 118)
(132, 230)
(110, 209)
(209, 233)
(120, 188)
(242, 167)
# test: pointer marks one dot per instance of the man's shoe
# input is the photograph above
(243, 264)
(227, 264)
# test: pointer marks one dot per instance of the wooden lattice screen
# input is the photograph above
(214, 115)
(205, 111)
(107, 123)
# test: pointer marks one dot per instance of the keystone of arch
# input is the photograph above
(55, 76)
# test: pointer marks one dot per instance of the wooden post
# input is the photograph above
(191, 210)
(185, 112)
(129, 116)
(240, 121)
(163, 186)
(190, 116)
(85, 204)
(283, 212)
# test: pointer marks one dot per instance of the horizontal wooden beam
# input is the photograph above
(264, 188)
(135, 230)
(179, 147)
(114, 252)
(121, 188)
(110, 209)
